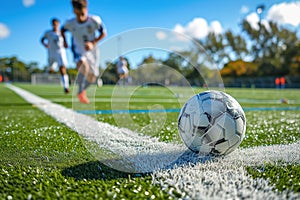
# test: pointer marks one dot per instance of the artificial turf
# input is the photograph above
(41, 158)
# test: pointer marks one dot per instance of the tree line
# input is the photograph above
(269, 50)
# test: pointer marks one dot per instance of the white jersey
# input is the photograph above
(56, 50)
(122, 67)
(81, 33)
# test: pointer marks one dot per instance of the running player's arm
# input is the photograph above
(43, 39)
(91, 44)
(102, 34)
(62, 31)
(100, 29)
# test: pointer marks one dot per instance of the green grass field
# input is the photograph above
(43, 159)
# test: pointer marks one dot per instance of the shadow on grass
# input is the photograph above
(96, 170)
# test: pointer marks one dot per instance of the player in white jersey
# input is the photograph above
(53, 41)
(122, 70)
(87, 31)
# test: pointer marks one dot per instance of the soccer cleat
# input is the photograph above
(67, 90)
(83, 98)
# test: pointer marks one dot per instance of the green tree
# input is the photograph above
(174, 61)
(239, 68)
(225, 47)
(109, 74)
(236, 44)
(14, 69)
(274, 48)
(149, 59)
(214, 44)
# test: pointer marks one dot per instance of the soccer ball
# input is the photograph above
(212, 122)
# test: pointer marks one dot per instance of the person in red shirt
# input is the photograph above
(277, 82)
(282, 82)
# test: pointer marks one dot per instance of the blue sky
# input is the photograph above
(22, 22)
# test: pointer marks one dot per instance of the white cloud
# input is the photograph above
(285, 13)
(244, 10)
(179, 29)
(253, 20)
(216, 27)
(28, 3)
(180, 33)
(4, 31)
(198, 28)
(266, 24)
(161, 35)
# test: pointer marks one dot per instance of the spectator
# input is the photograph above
(282, 82)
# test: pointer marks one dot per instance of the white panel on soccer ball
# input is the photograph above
(214, 108)
(233, 102)
(205, 148)
(232, 148)
(185, 124)
(196, 143)
(192, 105)
(234, 139)
(188, 139)
(222, 147)
(213, 94)
(227, 123)
(240, 127)
(214, 134)
(201, 120)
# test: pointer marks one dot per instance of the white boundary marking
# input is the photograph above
(193, 176)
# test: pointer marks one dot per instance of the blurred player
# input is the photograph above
(87, 31)
(277, 82)
(54, 42)
(122, 69)
(282, 82)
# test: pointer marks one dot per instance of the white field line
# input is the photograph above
(226, 178)
(196, 177)
(131, 151)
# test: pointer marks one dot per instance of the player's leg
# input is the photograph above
(88, 72)
(62, 61)
(82, 81)
(125, 78)
(64, 78)
(120, 72)
(51, 65)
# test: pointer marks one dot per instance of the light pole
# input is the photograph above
(259, 10)
(119, 45)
